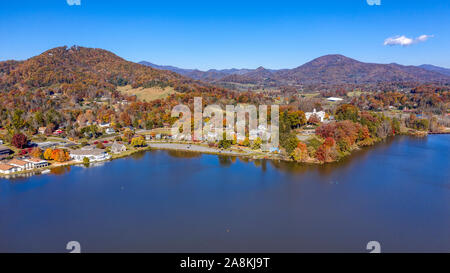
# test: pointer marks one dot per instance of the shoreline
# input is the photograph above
(185, 147)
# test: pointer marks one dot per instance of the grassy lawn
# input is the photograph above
(147, 94)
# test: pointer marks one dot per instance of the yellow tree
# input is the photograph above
(48, 154)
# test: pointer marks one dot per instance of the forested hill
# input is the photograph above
(80, 72)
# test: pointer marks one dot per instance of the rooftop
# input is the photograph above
(4, 148)
(88, 152)
(35, 160)
(5, 167)
(17, 162)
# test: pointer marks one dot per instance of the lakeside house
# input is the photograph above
(24, 165)
(118, 148)
(93, 154)
(320, 115)
(37, 162)
(8, 169)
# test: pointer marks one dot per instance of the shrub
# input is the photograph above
(257, 144)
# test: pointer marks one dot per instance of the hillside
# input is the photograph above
(85, 72)
(71, 88)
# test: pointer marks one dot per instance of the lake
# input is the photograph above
(396, 193)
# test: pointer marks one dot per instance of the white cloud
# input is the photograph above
(405, 41)
(423, 38)
(74, 2)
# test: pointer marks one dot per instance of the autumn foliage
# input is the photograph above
(58, 155)
(19, 141)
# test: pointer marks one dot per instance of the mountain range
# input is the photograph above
(325, 70)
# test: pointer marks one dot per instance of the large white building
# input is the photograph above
(320, 115)
(334, 99)
(92, 154)
(37, 162)
(25, 165)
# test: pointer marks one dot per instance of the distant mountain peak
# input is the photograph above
(434, 68)
(329, 69)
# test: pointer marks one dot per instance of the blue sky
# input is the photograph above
(225, 34)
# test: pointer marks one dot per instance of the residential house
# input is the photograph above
(37, 162)
(44, 131)
(93, 155)
(104, 125)
(110, 131)
(21, 164)
(7, 169)
(118, 148)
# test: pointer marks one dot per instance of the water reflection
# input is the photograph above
(60, 170)
(183, 154)
(225, 161)
(139, 155)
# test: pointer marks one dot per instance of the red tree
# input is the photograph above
(19, 141)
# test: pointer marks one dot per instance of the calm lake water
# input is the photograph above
(397, 193)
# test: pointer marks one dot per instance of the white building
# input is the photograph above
(37, 162)
(110, 131)
(320, 115)
(7, 169)
(334, 99)
(25, 165)
(92, 154)
(104, 125)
